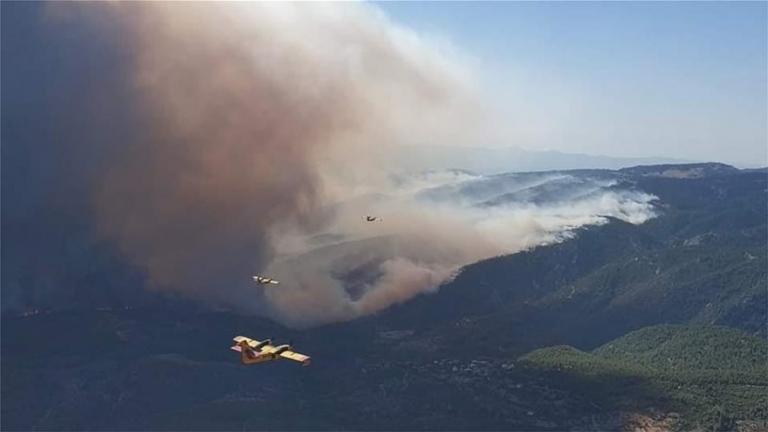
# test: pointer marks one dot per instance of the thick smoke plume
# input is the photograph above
(207, 142)
(249, 106)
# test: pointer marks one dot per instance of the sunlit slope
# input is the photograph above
(714, 376)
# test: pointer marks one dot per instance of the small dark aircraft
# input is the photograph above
(265, 280)
(372, 219)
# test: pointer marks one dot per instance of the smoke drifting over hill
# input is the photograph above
(210, 141)
(428, 232)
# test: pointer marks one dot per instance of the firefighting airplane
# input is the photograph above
(265, 280)
(253, 351)
(372, 219)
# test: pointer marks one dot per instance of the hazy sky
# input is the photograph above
(673, 79)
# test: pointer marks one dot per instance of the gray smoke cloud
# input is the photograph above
(249, 106)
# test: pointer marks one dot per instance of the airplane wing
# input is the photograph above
(301, 358)
(253, 343)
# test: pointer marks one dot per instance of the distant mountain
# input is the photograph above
(762, 170)
(697, 170)
(508, 159)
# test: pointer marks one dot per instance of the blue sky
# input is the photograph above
(674, 79)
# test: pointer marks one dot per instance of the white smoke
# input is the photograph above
(363, 267)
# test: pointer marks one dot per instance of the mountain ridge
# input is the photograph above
(701, 261)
